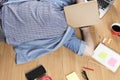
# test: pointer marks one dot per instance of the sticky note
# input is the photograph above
(72, 76)
(103, 55)
(112, 61)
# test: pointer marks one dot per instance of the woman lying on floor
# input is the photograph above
(36, 28)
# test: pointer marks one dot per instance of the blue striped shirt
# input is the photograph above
(31, 41)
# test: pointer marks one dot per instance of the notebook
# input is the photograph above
(82, 14)
(107, 57)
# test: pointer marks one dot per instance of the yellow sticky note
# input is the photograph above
(72, 76)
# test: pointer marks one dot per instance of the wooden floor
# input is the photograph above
(61, 62)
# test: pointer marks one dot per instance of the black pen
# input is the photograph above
(84, 75)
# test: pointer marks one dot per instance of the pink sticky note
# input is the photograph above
(112, 61)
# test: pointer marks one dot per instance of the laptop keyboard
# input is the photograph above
(104, 6)
(104, 3)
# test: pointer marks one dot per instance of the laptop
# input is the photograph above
(103, 6)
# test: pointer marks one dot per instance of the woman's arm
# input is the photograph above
(89, 41)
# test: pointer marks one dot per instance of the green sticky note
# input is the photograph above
(103, 55)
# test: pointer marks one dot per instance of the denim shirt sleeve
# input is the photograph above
(76, 45)
(61, 3)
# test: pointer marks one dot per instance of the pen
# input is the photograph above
(88, 68)
(84, 75)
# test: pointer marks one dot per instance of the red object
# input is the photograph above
(46, 77)
(115, 29)
(88, 68)
(115, 33)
